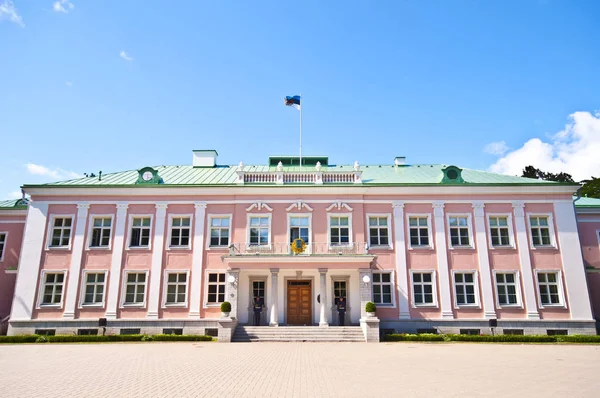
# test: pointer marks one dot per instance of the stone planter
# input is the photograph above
(225, 314)
(371, 314)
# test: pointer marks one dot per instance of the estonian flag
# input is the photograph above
(292, 101)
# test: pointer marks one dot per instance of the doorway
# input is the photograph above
(339, 285)
(299, 302)
(258, 288)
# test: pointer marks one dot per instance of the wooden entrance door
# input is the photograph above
(299, 303)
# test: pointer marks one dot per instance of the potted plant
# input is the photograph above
(225, 309)
(370, 308)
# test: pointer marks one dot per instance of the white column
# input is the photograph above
(401, 266)
(526, 272)
(441, 248)
(231, 290)
(323, 294)
(484, 261)
(29, 261)
(112, 300)
(76, 255)
(366, 290)
(274, 319)
(197, 255)
(157, 256)
(572, 260)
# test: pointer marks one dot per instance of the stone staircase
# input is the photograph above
(298, 333)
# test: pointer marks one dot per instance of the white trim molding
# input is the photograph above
(170, 218)
(511, 231)
(259, 206)
(431, 245)
(197, 255)
(42, 284)
(129, 231)
(392, 284)
(166, 274)
(50, 230)
(469, 217)
(434, 292)
(559, 282)
(124, 288)
(442, 259)
(205, 303)
(209, 219)
(388, 216)
(5, 233)
(269, 217)
(83, 286)
(338, 205)
(477, 303)
(350, 229)
(310, 230)
(298, 205)
(516, 273)
(553, 242)
(92, 217)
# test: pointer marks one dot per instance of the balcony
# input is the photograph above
(317, 177)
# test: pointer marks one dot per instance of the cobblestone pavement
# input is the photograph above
(299, 370)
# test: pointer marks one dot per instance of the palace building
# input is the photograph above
(437, 248)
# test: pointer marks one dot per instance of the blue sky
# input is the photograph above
(435, 81)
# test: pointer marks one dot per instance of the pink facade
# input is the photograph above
(12, 224)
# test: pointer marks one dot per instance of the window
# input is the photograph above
(53, 288)
(219, 231)
(45, 332)
(61, 231)
(180, 231)
(101, 227)
(423, 292)
(299, 228)
(176, 288)
(418, 228)
(135, 288)
(259, 232)
(499, 231)
(465, 288)
(506, 289)
(459, 231)
(176, 331)
(379, 231)
(382, 288)
(548, 284)
(470, 331)
(2, 244)
(513, 332)
(339, 230)
(129, 331)
(94, 288)
(216, 288)
(140, 232)
(540, 230)
(339, 290)
(258, 289)
(557, 332)
(87, 332)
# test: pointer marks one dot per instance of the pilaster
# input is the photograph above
(231, 290)
(157, 256)
(274, 316)
(323, 294)
(484, 261)
(525, 259)
(442, 259)
(366, 290)
(76, 256)
(197, 255)
(116, 261)
(401, 266)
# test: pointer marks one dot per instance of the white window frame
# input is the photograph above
(310, 230)
(429, 231)
(206, 273)
(561, 290)
(477, 303)
(83, 286)
(471, 244)
(517, 275)
(5, 233)
(130, 232)
(388, 216)
(511, 234)
(166, 283)
(269, 216)
(552, 244)
(208, 228)
(339, 215)
(91, 228)
(42, 285)
(170, 230)
(392, 283)
(124, 289)
(434, 292)
(51, 227)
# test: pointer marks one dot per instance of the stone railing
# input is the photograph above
(281, 177)
(284, 249)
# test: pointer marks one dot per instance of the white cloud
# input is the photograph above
(574, 150)
(57, 174)
(15, 195)
(63, 6)
(125, 56)
(8, 11)
(496, 148)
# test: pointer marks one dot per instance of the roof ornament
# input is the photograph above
(280, 166)
(318, 166)
(241, 166)
(356, 166)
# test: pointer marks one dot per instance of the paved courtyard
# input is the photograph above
(299, 370)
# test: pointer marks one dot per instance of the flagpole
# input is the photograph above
(301, 101)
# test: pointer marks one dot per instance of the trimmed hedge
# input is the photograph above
(101, 339)
(501, 338)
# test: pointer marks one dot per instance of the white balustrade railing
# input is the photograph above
(317, 177)
(284, 249)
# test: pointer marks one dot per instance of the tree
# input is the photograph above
(591, 188)
(532, 172)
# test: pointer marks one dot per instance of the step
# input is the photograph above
(298, 334)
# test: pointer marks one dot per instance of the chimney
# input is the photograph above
(400, 160)
(204, 158)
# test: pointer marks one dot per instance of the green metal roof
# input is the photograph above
(13, 204)
(372, 175)
(587, 202)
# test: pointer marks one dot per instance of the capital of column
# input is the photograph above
(323, 270)
(438, 209)
(519, 208)
(160, 206)
(274, 271)
(83, 206)
(122, 206)
(398, 204)
(478, 208)
(200, 205)
(82, 209)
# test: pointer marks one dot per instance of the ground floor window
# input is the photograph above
(135, 288)
(87, 332)
(464, 288)
(216, 287)
(176, 288)
(94, 288)
(549, 289)
(506, 288)
(423, 288)
(53, 288)
(382, 287)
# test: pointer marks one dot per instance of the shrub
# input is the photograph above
(576, 338)
(19, 339)
(147, 338)
(226, 306)
(414, 337)
(184, 337)
(503, 338)
(370, 307)
(41, 339)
